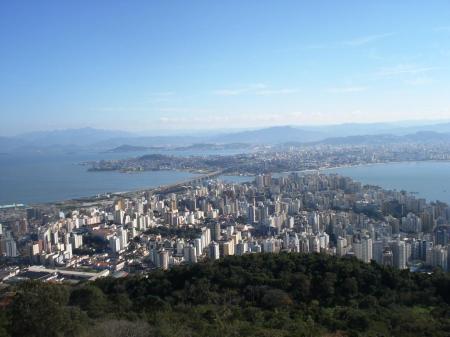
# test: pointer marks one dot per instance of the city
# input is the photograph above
(232, 168)
(297, 212)
(283, 158)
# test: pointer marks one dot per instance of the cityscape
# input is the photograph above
(223, 169)
(306, 212)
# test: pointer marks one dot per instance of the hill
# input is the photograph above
(273, 135)
(127, 148)
(253, 295)
(79, 137)
(421, 137)
(90, 139)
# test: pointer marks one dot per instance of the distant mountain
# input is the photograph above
(148, 141)
(80, 137)
(210, 147)
(127, 148)
(438, 128)
(89, 139)
(273, 135)
(418, 137)
(428, 136)
(307, 134)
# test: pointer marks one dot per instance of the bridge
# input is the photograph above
(191, 181)
(160, 189)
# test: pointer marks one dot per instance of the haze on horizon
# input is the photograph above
(221, 65)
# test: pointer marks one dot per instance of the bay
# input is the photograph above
(46, 178)
(428, 179)
(40, 177)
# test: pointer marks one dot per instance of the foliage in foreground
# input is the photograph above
(252, 295)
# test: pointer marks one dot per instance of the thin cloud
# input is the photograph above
(360, 41)
(317, 46)
(162, 94)
(284, 91)
(182, 110)
(248, 88)
(442, 29)
(419, 81)
(355, 42)
(402, 69)
(119, 109)
(347, 89)
(229, 92)
(258, 89)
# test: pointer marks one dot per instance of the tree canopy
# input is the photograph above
(283, 294)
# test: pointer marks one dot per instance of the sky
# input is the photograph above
(191, 65)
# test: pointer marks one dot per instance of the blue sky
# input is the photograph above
(153, 65)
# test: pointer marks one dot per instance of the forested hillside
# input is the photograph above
(252, 295)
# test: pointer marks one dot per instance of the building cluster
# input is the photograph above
(307, 213)
(283, 158)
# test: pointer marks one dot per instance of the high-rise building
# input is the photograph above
(214, 251)
(377, 251)
(215, 232)
(163, 257)
(366, 249)
(399, 254)
(119, 217)
(198, 246)
(114, 244)
(259, 180)
(190, 254)
(11, 248)
(388, 258)
(206, 237)
(241, 248)
(251, 214)
(439, 257)
(123, 236)
(341, 246)
(76, 240)
(269, 245)
(228, 248)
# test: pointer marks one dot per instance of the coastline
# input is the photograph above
(385, 163)
(434, 193)
(107, 195)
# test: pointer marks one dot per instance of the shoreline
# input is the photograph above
(107, 195)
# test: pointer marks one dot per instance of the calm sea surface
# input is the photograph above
(33, 179)
(46, 178)
(430, 180)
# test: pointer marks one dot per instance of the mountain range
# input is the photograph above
(73, 140)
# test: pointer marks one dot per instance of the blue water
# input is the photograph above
(430, 180)
(36, 178)
(46, 178)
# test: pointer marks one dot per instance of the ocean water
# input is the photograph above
(37, 178)
(429, 180)
(46, 178)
